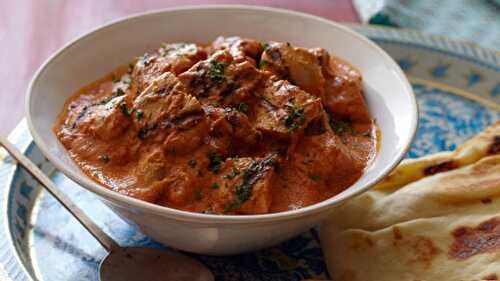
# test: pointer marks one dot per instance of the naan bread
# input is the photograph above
(442, 227)
(485, 143)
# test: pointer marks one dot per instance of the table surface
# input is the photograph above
(32, 30)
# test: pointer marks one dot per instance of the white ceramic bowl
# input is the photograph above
(387, 91)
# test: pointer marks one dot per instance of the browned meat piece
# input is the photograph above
(315, 157)
(179, 186)
(231, 129)
(283, 108)
(244, 185)
(104, 120)
(175, 58)
(220, 81)
(163, 101)
(343, 88)
(325, 76)
(298, 65)
(240, 48)
(152, 167)
(165, 107)
(169, 184)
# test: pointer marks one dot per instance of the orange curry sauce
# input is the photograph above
(236, 127)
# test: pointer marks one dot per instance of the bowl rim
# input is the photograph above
(188, 216)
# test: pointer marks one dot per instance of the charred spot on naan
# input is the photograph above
(495, 146)
(422, 248)
(440, 167)
(471, 241)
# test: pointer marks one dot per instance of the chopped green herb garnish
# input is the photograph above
(264, 45)
(249, 177)
(216, 71)
(243, 107)
(139, 114)
(214, 185)
(262, 63)
(127, 111)
(197, 194)
(234, 172)
(315, 177)
(340, 127)
(215, 162)
(322, 129)
(192, 163)
(295, 118)
(118, 92)
(229, 206)
(130, 68)
(243, 191)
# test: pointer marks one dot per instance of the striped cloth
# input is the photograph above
(477, 21)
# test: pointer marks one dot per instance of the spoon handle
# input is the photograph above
(107, 242)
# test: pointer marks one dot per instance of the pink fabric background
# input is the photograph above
(31, 30)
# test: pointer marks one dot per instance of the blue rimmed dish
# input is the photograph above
(46, 243)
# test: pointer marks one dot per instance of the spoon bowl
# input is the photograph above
(134, 263)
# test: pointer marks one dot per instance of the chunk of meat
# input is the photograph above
(175, 58)
(184, 141)
(241, 49)
(283, 108)
(179, 186)
(343, 88)
(106, 121)
(164, 105)
(298, 65)
(314, 70)
(152, 167)
(221, 81)
(319, 167)
(243, 132)
(244, 185)
(325, 153)
(231, 129)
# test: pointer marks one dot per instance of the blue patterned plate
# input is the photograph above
(458, 91)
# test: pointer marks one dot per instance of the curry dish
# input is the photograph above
(235, 127)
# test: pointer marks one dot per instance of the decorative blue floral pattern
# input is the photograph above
(473, 78)
(446, 120)
(48, 241)
(440, 70)
(405, 64)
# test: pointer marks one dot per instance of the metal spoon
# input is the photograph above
(124, 264)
